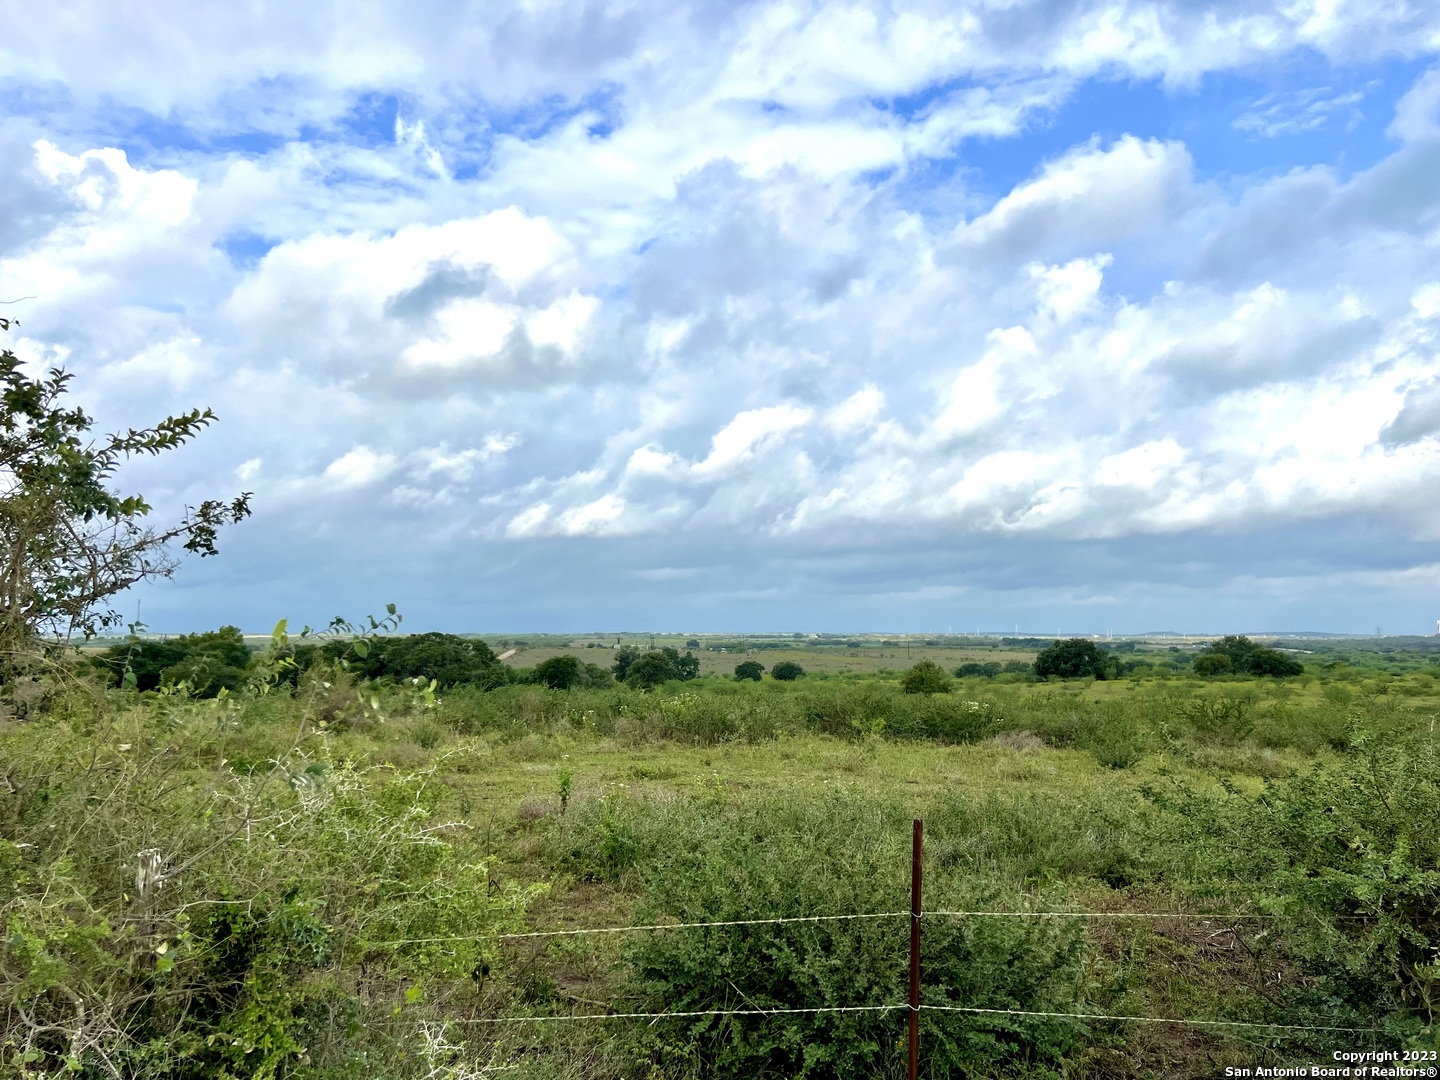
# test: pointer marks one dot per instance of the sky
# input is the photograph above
(1075, 317)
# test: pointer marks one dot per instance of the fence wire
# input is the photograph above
(1216, 916)
(655, 1017)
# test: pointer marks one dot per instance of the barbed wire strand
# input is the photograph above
(1147, 1019)
(647, 926)
(694, 925)
(1031, 1013)
(1219, 917)
(678, 1015)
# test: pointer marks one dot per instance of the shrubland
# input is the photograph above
(310, 873)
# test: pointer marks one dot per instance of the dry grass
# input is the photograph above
(1023, 742)
(533, 808)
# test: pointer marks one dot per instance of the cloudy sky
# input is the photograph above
(778, 316)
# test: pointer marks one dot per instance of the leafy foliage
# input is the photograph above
(1239, 654)
(1357, 850)
(926, 677)
(1212, 663)
(787, 671)
(973, 669)
(705, 862)
(650, 670)
(647, 670)
(625, 655)
(225, 950)
(208, 662)
(71, 543)
(749, 671)
(559, 672)
(686, 667)
(449, 660)
(1076, 658)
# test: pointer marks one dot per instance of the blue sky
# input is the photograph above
(773, 316)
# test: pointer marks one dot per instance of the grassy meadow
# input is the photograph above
(313, 877)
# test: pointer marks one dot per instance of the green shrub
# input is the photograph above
(848, 711)
(1114, 732)
(1226, 718)
(983, 671)
(703, 861)
(787, 671)
(926, 677)
(1355, 850)
(1213, 663)
(943, 718)
(706, 719)
(558, 673)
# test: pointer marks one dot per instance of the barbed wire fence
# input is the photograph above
(914, 1007)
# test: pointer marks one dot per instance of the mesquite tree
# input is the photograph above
(68, 543)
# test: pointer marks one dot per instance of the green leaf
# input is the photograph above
(361, 647)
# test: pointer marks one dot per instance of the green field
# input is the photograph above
(337, 860)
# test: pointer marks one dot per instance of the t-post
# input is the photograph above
(915, 952)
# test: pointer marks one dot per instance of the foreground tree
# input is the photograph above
(68, 543)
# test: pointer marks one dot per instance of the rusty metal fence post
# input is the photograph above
(915, 953)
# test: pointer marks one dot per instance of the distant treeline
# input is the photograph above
(220, 660)
(217, 660)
